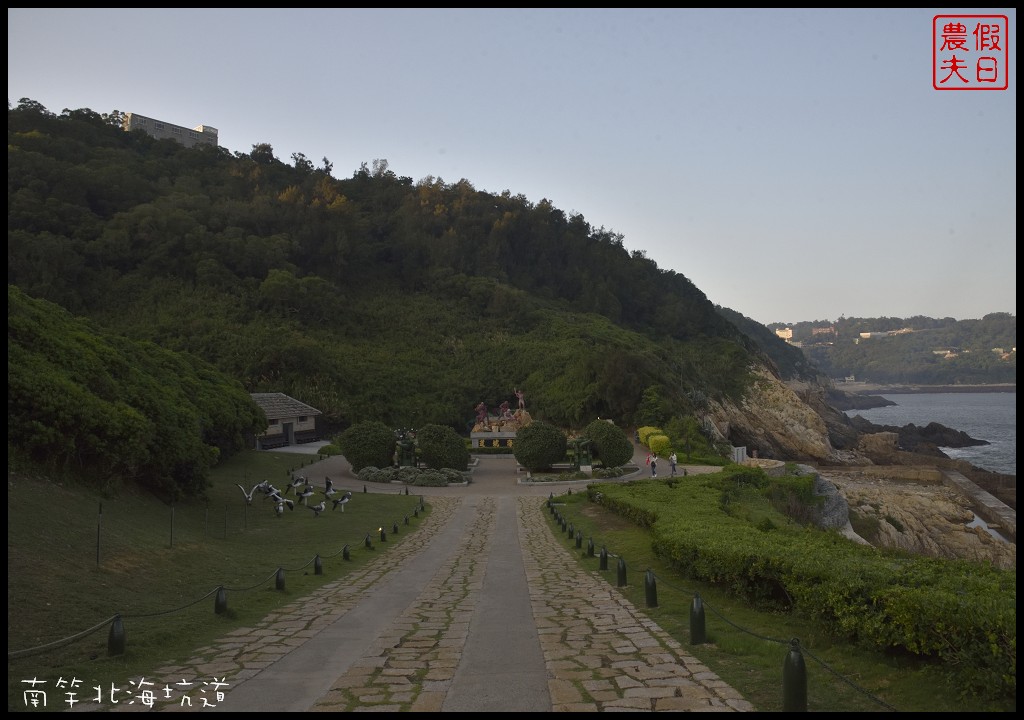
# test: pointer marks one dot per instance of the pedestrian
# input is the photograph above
(654, 465)
(672, 462)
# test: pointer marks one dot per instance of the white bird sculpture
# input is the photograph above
(342, 500)
(279, 506)
(296, 482)
(307, 492)
(248, 495)
(329, 491)
(318, 508)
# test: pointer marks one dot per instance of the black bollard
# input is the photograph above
(621, 573)
(570, 530)
(579, 539)
(394, 529)
(406, 521)
(383, 535)
(364, 488)
(367, 543)
(346, 553)
(117, 637)
(318, 565)
(590, 547)
(406, 489)
(794, 680)
(220, 604)
(279, 580)
(698, 636)
(650, 589)
(604, 559)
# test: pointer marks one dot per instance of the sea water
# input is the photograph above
(983, 416)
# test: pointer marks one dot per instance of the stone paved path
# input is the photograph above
(482, 609)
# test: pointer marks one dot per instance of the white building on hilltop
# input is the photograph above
(161, 130)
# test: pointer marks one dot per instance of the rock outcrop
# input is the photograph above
(923, 518)
(772, 420)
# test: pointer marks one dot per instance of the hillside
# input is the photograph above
(379, 298)
(367, 297)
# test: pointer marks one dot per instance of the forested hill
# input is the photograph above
(370, 297)
(916, 350)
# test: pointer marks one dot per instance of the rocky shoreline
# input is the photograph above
(867, 388)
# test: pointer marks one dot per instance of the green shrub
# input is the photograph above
(611, 445)
(431, 478)
(442, 447)
(659, 444)
(367, 443)
(949, 611)
(539, 445)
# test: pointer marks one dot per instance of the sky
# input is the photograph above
(795, 165)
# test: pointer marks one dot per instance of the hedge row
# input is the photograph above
(960, 613)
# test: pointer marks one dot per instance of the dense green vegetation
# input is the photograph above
(113, 410)
(371, 298)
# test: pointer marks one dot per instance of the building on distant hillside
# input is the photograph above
(189, 137)
(785, 333)
(289, 422)
(829, 330)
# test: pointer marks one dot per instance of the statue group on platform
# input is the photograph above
(504, 419)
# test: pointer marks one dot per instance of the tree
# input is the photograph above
(263, 153)
(539, 445)
(367, 444)
(611, 445)
(441, 447)
(302, 163)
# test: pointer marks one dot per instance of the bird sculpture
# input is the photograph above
(342, 500)
(318, 508)
(329, 491)
(248, 495)
(305, 493)
(279, 506)
(296, 483)
(270, 490)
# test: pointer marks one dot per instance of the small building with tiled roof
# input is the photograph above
(289, 421)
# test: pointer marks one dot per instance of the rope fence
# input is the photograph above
(116, 636)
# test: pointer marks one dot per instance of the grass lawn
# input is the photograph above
(75, 559)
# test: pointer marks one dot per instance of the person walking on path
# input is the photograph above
(654, 465)
(672, 463)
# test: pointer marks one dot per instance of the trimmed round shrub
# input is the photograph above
(441, 447)
(610, 443)
(539, 445)
(367, 443)
(659, 444)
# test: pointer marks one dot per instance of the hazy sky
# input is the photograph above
(793, 164)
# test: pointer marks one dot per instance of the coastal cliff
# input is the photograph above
(794, 421)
